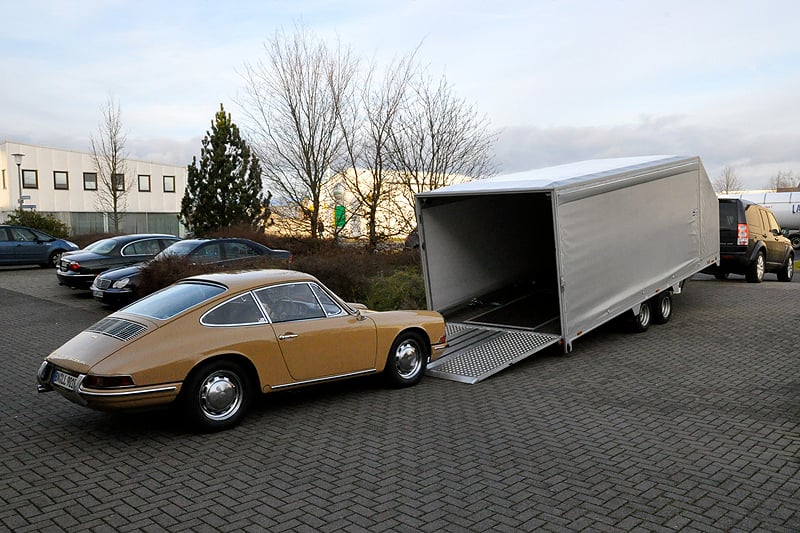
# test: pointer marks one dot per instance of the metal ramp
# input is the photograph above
(477, 352)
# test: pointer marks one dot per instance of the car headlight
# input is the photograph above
(121, 284)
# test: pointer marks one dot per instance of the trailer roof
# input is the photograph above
(561, 176)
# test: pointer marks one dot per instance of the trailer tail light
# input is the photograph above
(743, 235)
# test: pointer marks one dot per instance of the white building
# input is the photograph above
(65, 183)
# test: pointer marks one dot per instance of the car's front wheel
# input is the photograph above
(53, 260)
(755, 273)
(787, 271)
(216, 395)
(407, 361)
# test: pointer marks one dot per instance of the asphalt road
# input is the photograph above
(691, 426)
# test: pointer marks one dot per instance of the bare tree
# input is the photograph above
(783, 180)
(110, 159)
(439, 139)
(295, 100)
(727, 181)
(370, 178)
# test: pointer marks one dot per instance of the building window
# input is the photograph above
(89, 181)
(169, 183)
(30, 179)
(60, 180)
(118, 182)
(144, 183)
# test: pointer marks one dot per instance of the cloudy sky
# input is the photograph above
(561, 81)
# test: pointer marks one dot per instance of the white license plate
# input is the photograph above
(64, 380)
(97, 293)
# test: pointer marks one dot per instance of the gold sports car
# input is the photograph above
(209, 342)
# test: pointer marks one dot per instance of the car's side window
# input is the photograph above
(293, 301)
(207, 253)
(146, 247)
(331, 307)
(3, 234)
(237, 250)
(21, 234)
(239, 311)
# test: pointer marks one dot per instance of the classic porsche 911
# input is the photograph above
(209, 343)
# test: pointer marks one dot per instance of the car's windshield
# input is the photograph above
(102, 247)
(179, 248)
(174, 299)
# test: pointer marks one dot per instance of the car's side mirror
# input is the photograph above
(775, 232)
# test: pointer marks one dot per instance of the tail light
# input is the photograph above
(74, 266)
(743, 235)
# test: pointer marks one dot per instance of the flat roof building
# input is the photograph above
(65, 183)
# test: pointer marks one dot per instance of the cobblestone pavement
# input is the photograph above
(692, 426)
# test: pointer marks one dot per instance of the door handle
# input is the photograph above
(287, 336)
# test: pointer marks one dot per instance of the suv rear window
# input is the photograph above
(728, 215)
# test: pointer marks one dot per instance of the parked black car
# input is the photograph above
(119, 286)
(78, 269)
(751, 242)
(20, 245)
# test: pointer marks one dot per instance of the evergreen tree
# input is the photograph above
(225, 188)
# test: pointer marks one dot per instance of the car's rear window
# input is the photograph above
(728, 215)
(101, 247)
(174, 299)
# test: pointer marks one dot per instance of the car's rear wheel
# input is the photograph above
(787, 271)
(640, 321)
(407, 361)
(217, 395)
(755, 273)
(662, 307)
(721, 274)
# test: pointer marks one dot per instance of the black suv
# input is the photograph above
(750, 242)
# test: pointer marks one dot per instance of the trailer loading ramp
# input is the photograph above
(477, 352)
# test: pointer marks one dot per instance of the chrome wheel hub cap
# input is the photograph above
(220, 396)
(407, 359)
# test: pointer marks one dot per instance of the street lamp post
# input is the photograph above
(18, 161)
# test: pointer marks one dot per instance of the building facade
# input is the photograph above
(65, 183)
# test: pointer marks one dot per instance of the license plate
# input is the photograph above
(97, 293)
(63, 380)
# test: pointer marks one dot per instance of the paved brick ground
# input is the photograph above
(692, 426)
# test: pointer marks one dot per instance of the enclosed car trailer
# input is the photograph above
(519, 262)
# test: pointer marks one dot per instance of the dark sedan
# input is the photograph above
(20, 245)
(119, 286)
(78, 269)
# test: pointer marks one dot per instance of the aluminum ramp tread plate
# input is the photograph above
(477, 352)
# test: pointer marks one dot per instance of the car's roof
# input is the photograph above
(137, 236)
(246, 279)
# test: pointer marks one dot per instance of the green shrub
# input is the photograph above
(402, 289)
(41, 221)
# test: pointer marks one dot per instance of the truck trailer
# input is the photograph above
(520, 262)
(784, 205)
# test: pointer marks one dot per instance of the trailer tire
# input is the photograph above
(662, 307)
(640, 322)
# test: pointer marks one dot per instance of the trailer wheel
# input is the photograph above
(662, 307)
(640, 321)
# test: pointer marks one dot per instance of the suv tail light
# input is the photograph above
(743, 235)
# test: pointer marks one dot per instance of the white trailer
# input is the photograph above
(519, 262)
(784, 205)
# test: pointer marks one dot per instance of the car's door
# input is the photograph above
(26, 246)
(318, 339)
(776, 245)
(6, 246)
